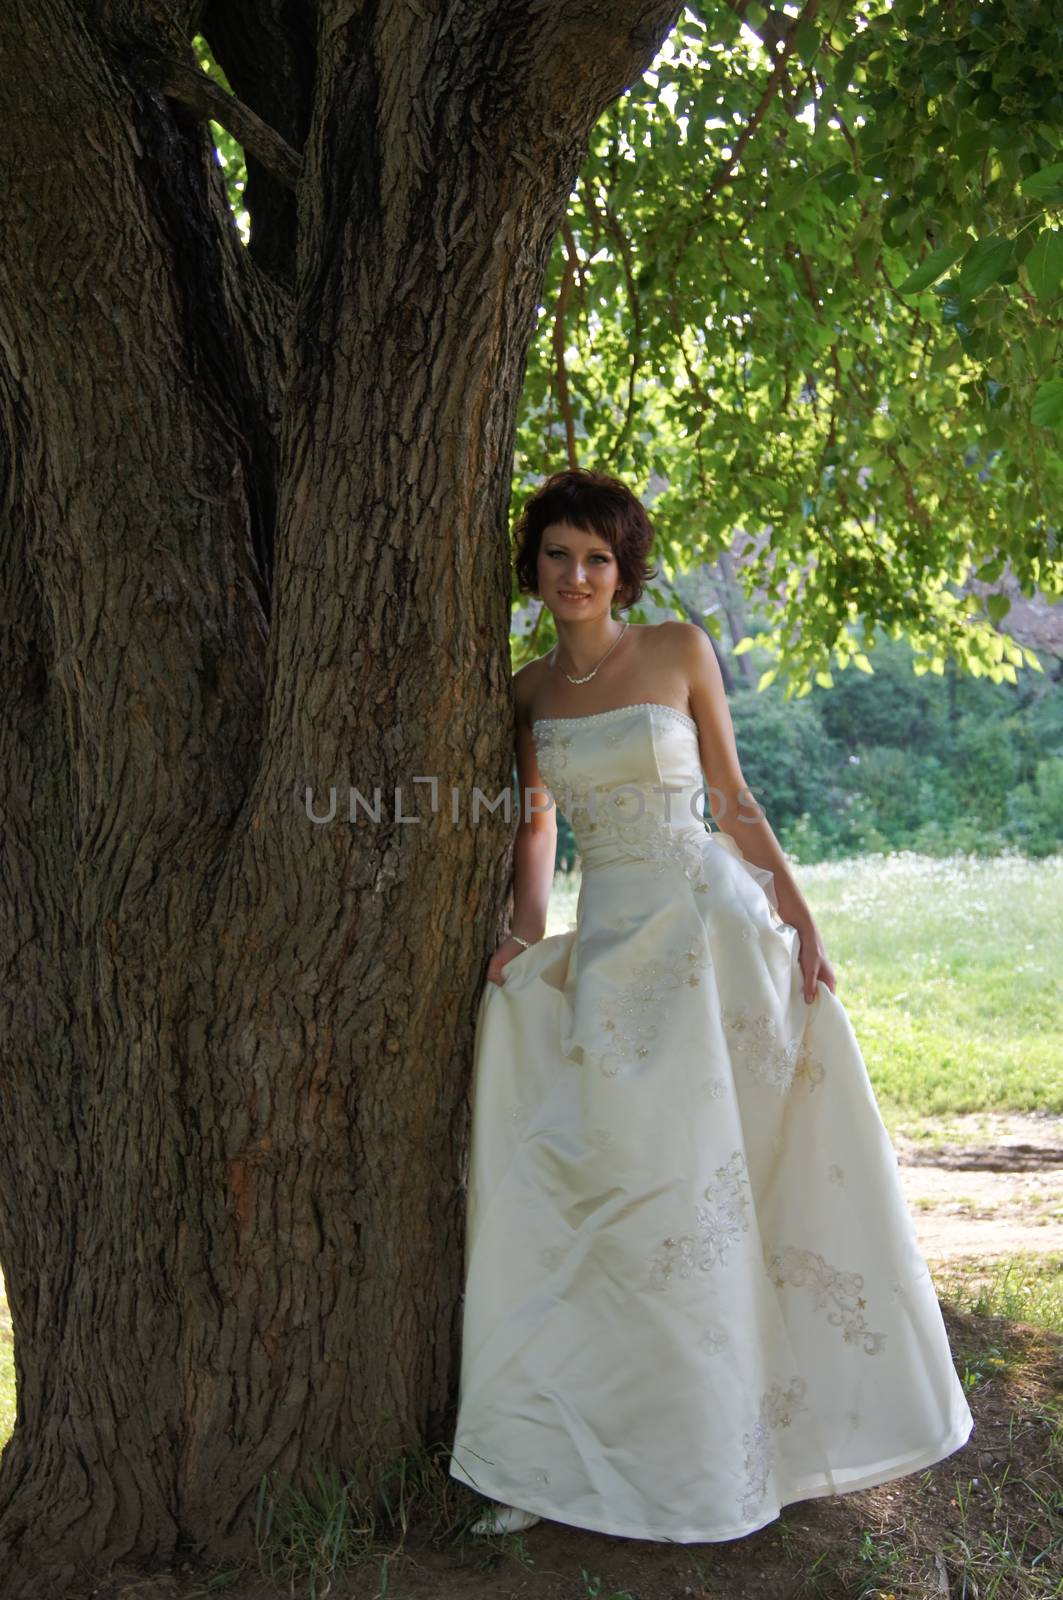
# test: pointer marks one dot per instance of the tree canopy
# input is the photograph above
(810, 276)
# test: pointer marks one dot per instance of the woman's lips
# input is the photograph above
(565, 596)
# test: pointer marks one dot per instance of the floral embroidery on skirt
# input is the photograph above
(754, 1044)
(630, 1017)
(828, 1284)
(776, 1409)
(722, 1220)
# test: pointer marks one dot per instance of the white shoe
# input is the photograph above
(505, 1519)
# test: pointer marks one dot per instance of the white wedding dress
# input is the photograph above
(693, 1288)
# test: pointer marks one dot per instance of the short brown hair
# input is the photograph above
(598, 504)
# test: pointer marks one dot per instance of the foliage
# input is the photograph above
(810, 278)
(788, 759)
(820, 298)
(933, 763)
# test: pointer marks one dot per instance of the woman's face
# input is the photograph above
(577, 572)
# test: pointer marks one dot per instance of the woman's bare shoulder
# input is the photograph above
(677, 635)
(671, 640)
(672, 628)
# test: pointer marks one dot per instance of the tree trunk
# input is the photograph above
(731, 599)
(253, 545)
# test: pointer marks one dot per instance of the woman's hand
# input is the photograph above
(812, 959)
(501, 958)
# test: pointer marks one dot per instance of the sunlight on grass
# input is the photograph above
(1023, 1288)
(951, 971)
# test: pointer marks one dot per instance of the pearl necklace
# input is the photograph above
(605, 658)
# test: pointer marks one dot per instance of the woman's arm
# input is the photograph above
(535, 847)
(534, 854)
(732, 804)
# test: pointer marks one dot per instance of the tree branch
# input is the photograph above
(563, 400)
(267, 50)
(192, 87)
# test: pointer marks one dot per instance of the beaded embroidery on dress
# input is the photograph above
(693, 1290)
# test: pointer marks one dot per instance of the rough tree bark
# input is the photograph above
(253, 539)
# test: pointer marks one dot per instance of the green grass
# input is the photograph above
(1023, 1288)
(951, 972)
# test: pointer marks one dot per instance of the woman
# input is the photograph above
(693, 1288)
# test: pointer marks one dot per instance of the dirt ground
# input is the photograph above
(984, 1186)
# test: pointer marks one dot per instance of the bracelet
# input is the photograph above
(524, 943)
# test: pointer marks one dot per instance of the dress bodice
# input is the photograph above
(629, 781)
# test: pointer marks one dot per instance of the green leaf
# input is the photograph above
(971, 146)
(1046, 185)
(846, 61)
(788, 194)
(1047, 407)
(929, 271)
(982, 265)
(806, 40)
(1044, 264)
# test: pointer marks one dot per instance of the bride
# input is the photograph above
(693, 1292)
